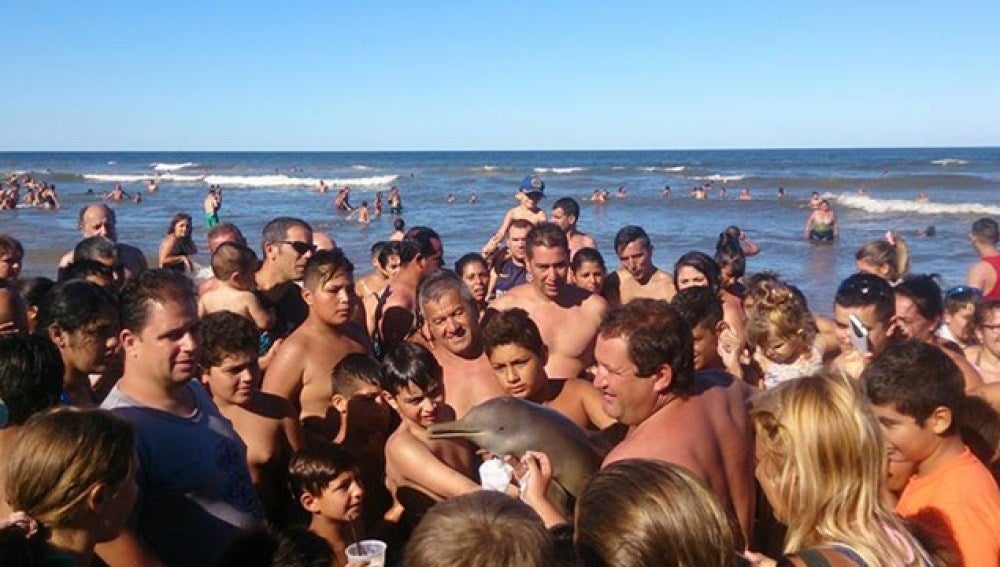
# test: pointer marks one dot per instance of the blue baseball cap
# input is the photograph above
(532, 184)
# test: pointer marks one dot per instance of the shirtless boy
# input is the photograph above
(361, 213)
(517, 354)
(637, 277)
(530, 192)
(565, 214)
(300, 371)
(211, 206)
(551, 302)
(229, 369)
(396, 313)
(646, 374)
(421, 471)
(234, 266)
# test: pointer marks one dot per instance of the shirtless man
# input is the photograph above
(530, 192)
(983, 274)
(637, 277)
(99, 220)
(287, 245)
(396, 313)
(517, 355)
(300, 371)
(211, 206)
(565, 214)
(419, 470)
(451, 324)
(646, 374)
(552, 303)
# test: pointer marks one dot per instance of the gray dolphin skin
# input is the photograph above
(511, 426)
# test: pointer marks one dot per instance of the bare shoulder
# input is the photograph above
(272, 407)
(594, 303)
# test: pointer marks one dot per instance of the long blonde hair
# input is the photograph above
(829, 459)
(890, 253)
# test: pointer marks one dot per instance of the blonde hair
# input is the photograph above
(826, 448)
(59, 456)
(779, 312)
(889, 252)
(640, 512)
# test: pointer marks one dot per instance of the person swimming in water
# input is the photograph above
(822, 223)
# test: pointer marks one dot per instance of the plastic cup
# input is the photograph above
(371, 550)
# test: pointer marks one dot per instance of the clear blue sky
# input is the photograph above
(391, 75)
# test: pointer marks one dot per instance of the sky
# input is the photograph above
(408, 75)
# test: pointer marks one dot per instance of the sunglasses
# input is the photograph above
(964, 290)
(299, 246)
(866, 286)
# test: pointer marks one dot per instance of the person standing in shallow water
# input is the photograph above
(822, 223)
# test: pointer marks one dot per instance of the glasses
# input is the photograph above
(299, 246)
(964, 290)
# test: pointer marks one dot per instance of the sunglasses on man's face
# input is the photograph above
(299, 246)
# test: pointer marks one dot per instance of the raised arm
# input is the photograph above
(418, 466)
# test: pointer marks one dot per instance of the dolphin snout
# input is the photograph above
(453, 429)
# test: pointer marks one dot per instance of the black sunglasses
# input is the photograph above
(865, 285)
(299, 246)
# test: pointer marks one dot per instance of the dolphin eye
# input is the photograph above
(501, 428)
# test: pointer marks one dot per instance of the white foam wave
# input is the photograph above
(122, 178)
(900, 206)
(112, 162)
(361, 167)
(673, 168)
(949, 161)
(722, 178)
(489, 168)
(618, 168)
(286, 181)
(171, 166)
(559, 170)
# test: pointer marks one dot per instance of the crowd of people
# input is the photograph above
(284, 411)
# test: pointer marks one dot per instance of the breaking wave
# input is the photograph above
(903, 206)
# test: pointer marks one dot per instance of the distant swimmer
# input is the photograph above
(116, 194)
(451, 198)
(322, 187)
(395, 201)
(599, 196)
(621, 192)
(378, 204)
(822, 223)
(863, 191)
(745, 194)
(152, 186)
(342, 202)
(666, 192)
(923, 198)
(699, 193)
(361, 213)
(781, 193)
(723, 193)
(815, 200)
(473, 199)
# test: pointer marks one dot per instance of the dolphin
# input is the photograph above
(511, 426)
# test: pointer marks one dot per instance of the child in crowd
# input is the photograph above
(959, 310)
(589, 271)
(715, 345)
(918, 397)
(230, 371)
(782, 334)
(325, 480)
(986, 355)
(420, 470)
(234, 266)
(518, 356)
(530, 192)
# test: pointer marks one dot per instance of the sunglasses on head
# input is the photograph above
(870, 286)
(299, 246)
(960, 290)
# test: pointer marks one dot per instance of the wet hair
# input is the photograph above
(323, 266)
(916, 378)
(828, 458)
(704, 264)
(398, 224)
(587, 255)
(177, 218)
(152, 286)
(983, 311)
(779, 314)
(31, 374)
(423, 237)
(699, 307)
(230, 258)
(656, 335)
(986, 230)
(224, 334)
(568, 206)
(628, 234)
(294, 546)
(10, 246)
(58, 458)
(277, 229)
(438, 283)
(925, 293)
(354, 369)
(883, 254)
(483, 528)
(470, 258)
(74, 304)
(866, 290)
(410, 363)
(226, 228)
(95, 248)
(546, 235)
(313, 467)
(512, 326)
(639, 512)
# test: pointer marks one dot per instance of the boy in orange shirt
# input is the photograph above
(917, 394)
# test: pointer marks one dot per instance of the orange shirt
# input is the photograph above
(960, 504)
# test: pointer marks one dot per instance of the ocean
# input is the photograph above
(962, 184)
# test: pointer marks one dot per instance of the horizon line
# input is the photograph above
(508, 150)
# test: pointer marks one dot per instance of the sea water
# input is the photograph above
(962, 184)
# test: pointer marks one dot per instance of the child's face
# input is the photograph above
(235, 378)
(905, 440)
(706, 346)
(519, 371)
(590, 277)
(960, 322)
(341, 500)
(783, 350)
(417, 406)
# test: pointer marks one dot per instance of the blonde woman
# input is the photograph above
(822, 464)
(639, 512)
(70, 478)
(887, 258)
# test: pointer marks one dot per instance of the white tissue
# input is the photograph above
(495, 475)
